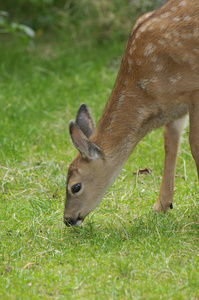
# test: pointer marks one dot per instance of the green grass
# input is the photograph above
(123, 250)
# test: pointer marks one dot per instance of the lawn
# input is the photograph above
(123, 250)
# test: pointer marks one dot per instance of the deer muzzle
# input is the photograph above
(73, 221)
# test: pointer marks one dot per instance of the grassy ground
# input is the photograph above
(123, 250)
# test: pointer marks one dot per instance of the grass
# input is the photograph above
(123, 250)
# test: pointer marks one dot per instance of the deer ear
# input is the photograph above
(81, 142)
(85, 121)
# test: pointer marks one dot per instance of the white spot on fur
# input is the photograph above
(112, 118)
(196, 50)
(149, 49)
(154, 79)
(138, 62)
(158, 68)
(178, 43)
(161, 42)
(149, 22)
(137, 35)
(186, 35)
(182, 3)
(162, 26)
(196, 32)
(165, 15)
(174, 79)
(187, 18)
(176, 19)
(143, 83)
(175, 33)
(134, 48)
(151, 28)
(154, 58)
(140, 114)
(129, 65)
(174, 8)
(143, 28)
(191, 59)
(167, 36)
(154, 20)
(120, 101)
(125, 82)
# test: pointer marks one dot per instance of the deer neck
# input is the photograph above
(122, 124)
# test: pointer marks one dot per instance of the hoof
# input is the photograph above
(160, 208)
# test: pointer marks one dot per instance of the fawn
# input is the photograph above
(157, 85)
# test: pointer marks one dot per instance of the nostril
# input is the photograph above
(69, 222)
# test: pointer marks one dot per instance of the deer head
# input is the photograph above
(88, 174)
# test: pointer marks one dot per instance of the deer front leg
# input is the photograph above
(194, 132)
(172, 135)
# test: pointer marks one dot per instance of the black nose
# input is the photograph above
(73, 222)
(69, 222)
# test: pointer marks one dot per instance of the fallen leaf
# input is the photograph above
(27, 265)
(143, 171)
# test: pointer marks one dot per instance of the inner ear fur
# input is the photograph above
(81, 142)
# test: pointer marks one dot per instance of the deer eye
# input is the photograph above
(76, 188)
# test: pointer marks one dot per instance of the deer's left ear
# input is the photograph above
(85, 121)
(81, 142)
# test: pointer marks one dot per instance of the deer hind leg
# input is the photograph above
(194, 132)
(172, 136)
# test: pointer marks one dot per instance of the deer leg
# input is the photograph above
(172, 136)
(194, 132)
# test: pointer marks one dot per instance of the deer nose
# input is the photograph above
(69, 222)
(73, 222)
